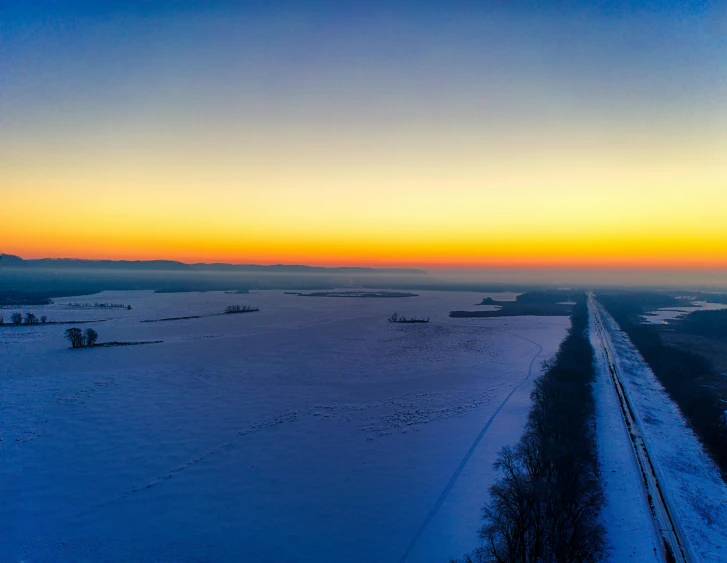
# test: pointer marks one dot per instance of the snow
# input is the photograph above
(666, 314)
(696, 493)
(626, 514)
(312, 430)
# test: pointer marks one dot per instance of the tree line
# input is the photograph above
(18, 319)
(97, 305)
(397, 318)
(546, 505)
(231, 309)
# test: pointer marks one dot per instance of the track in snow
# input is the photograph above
(468, 455)
(674, 549)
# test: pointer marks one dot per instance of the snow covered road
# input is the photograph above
(667, 539)
(666, 500)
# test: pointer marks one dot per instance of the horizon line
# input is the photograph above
(622, 265)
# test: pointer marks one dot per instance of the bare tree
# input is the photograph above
(90, 337)
(75, 337)
(31, 319)
(16, 319)
(2, 320)
(43, 319)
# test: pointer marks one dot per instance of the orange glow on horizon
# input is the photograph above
(311, 201)
(461, 260)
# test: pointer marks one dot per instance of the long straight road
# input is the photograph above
(673, 548)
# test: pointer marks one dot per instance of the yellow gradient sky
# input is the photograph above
(319, 139)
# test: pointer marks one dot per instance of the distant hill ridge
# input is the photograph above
(10, 260)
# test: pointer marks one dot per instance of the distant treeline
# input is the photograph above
(712, 324)
(363, 294)
(397, 318)
(10, 298)
(515, 309)
(30, 319)
(541, 303)
(549, 296)
(97, 306)
(230, 309)
(684, 374)
(546, 505)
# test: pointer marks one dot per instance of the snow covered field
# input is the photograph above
(312, 430)
(696, 494)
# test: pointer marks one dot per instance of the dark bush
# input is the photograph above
(90, 337)
(75, 337)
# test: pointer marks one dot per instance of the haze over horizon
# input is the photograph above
(525, 275)
(490, 134)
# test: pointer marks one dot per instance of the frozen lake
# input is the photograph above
(666, 314)
(312, 430)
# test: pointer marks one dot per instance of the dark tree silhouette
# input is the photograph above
(396, 318)
(16, 318)
(231, 309)
(43, 319)
(75, 337)
(545, 506)
(2, 320)
(31, 319)
(90, 337)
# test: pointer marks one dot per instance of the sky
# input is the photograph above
(507, 134)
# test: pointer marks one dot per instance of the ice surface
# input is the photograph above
(313, 430)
